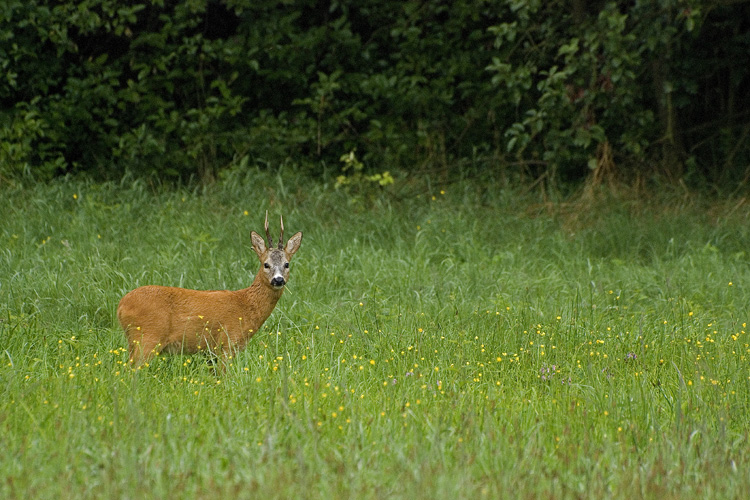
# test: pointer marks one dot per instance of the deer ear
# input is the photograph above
(293, 244)
(258, 244)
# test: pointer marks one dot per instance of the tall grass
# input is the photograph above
(457, 343)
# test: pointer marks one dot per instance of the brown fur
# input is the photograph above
(177, 320)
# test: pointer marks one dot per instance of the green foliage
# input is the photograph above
(581, 83)
(188, 88)
(106, 86)
(355, 182)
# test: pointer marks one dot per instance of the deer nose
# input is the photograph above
(278, 282)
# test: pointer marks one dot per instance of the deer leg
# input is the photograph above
(141, 349)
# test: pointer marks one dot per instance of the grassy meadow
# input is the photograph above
(453, 341)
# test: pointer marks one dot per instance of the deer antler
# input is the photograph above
(268, 234)
(281, 235)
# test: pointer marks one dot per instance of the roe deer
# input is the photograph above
(177, 320)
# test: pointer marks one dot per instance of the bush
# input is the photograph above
(179, 89)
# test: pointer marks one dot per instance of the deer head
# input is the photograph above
(275, 260)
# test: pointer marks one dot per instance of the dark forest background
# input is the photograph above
(527, 90)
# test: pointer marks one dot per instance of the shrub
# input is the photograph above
(557, 89)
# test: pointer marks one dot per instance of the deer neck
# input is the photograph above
(261, 297)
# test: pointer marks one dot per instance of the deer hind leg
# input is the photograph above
(141, 347)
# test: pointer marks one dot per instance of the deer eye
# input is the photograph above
(286, 265)
(267, 265)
